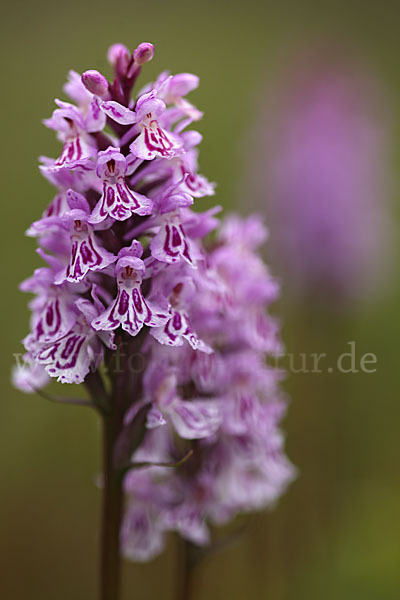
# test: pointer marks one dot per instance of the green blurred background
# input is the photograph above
(336, 534)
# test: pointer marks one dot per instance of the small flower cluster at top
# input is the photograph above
(130, 263)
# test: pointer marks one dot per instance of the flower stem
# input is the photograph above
(110, 564)
(188, 564)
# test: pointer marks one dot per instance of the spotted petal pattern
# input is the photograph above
(118, 200)
(86, 254)
(154, 141)
(170, 244)
(55, 319)
(130, 309)
(176, 330)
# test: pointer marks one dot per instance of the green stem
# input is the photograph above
(188, 564)
(113, 407)
(110, 565)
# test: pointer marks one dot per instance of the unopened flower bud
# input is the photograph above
(143, 53)
(119, 57)
(95, 82)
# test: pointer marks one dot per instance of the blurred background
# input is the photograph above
(302, 107)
